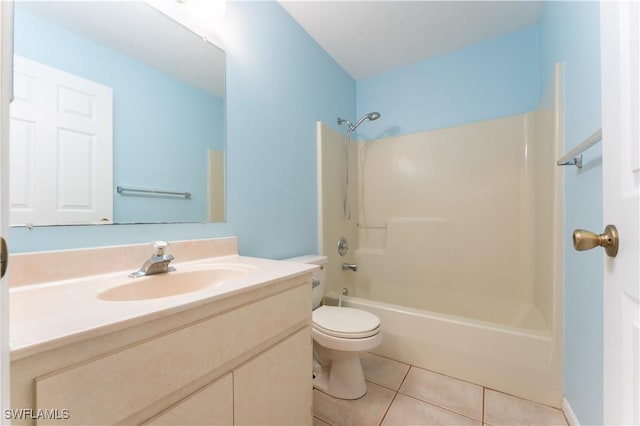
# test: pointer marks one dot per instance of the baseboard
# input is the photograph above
(569, 414)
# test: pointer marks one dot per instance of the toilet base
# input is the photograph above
(343, 378)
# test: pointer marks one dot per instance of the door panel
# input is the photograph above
(620, 46)
(62, 148)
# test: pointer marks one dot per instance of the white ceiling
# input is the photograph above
(371, 37)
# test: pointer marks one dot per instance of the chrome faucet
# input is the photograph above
(347, 266)
(157, 264)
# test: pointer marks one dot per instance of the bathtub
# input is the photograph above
(517, 361)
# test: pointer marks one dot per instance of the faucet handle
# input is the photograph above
(159, 247)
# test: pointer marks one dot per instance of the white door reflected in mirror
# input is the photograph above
(61, 144)
(168, 114)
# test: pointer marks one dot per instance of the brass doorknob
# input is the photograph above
(4, 257)
(586, 240)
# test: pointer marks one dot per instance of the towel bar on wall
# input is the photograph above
(574, 157)
(122, 189)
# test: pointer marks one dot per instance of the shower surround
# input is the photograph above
(458, 246)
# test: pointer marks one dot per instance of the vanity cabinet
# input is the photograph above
(212, 405)
(245, 359)
(267, 389)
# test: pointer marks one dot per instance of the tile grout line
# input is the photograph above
(433, 404)
(484, 401)
(395, 395)
(389, 387)
(405, 377)
(527, 401)
(388, 408)
(524, 399)
(316, 417)
(319, 417)
(386, 357)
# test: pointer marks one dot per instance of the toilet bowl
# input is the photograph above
(340, 335)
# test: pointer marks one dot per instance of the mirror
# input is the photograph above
(158, 158)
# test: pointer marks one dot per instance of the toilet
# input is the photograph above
(340, 335)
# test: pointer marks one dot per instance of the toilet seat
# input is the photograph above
(346, 323)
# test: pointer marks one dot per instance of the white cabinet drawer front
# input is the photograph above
(112, 388)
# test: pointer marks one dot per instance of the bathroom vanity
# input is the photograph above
(237, 352)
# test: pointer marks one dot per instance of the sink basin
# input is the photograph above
(171, 284)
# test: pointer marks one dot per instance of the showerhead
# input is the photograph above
(371, 116)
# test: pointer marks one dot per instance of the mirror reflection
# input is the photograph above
(108, 96)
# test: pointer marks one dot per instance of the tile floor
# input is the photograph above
(400, 394)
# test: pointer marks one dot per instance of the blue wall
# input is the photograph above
(279, 83)
(151, 125)
(570, 33)
(496, 78)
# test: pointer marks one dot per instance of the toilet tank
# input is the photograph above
(319, 275)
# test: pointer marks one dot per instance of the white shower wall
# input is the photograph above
(448, 221)
(332, 223)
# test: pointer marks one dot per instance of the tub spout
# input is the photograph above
(347, 266)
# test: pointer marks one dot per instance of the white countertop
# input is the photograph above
(49, 315)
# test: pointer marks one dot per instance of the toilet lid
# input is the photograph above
(345, 322)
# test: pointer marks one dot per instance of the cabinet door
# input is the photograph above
(275, 388)
(212, 405)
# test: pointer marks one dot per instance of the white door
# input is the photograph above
(61, 147)
(6, 72)
(620, 46)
